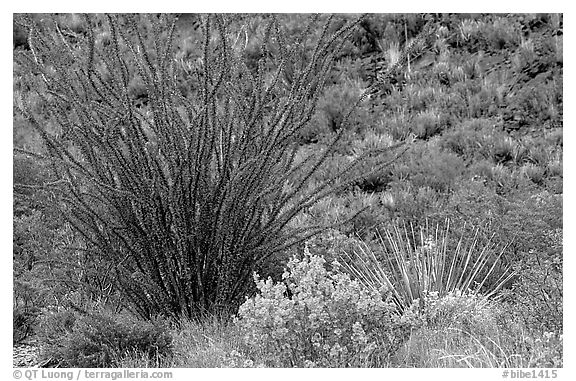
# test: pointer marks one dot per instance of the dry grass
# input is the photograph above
(456, 348)
(213, 343)
(446, 344)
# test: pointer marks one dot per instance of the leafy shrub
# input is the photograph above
(316, 317)
(100, 338)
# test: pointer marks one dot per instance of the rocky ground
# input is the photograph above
(25, 355)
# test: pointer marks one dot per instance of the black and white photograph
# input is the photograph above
(287, 190)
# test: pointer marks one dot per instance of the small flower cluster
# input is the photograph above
(320, 318)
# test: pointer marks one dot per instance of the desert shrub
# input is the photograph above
(55, 264)
(188, 195)
(100, 338)
(500, 33)
(545, 350)
(333, 107)
(485, 102)
(537, 294)
(329, 244)
(354, 213)
(26, 307)
(28, 176)
(525, 344)
(500, 178)
(504, 150)
(533, 172)
(213, 343)
(374, 181)
(427, 124)
(402, 200)
(533, 223)
(536, 103)
(460, 329)
(32, 241)
(535, 349)
(469, 312)
(429, 165)
(397, 126)
(36, 247)
(454, 72)
(477, 139)
(419, 99)
(527, 216)
(317, 317)
(464, 330)
(539, 152)
(554, 168)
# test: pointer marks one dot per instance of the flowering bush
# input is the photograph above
(317, 317)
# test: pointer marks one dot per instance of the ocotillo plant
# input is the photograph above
(186, 195)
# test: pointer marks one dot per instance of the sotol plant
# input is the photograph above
(415, 263)
(186, 196)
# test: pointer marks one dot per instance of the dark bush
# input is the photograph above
(99, 339)
(26, 305)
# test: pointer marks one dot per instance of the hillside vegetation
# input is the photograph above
(291, 190)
